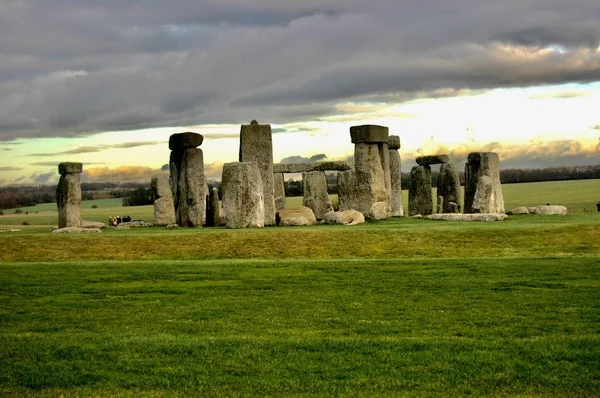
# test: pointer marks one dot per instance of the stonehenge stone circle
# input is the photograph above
(315, 193)
(432, 159)
(164, 209)
(68, 195)
(448, 187)
(243, 204)
(420, 200)
(483, 190)
(360, 188)
(395, 176)
(302, 216)
(188, 183)
(213, 208)
(256, 145)
(279, 189)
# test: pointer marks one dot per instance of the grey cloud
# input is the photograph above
(6, 149)
(98, 148)
(120, 65)
(217, 136)
(302, 159)
(55, 164)
(165, 167)
(10, 168)
(44, 178)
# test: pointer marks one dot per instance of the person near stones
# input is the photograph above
(598, 205)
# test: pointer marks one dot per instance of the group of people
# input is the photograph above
(114, 221)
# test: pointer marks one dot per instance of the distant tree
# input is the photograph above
(139, 197)
(293, 188)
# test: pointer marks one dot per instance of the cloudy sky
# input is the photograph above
(106, 82)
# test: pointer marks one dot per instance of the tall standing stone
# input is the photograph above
(420, 200)
(164, 210)
(68, 194)
(188, 183)
(256, 145)
(395, 176)
(315, 193)
(448, 187)
(368, 183)
(243, 203)
(279, 187)
(483, 190)
(213, 208)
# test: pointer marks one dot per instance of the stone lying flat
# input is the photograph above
(76, 230)
(134, 224)
(393, 142)
(346, 217)
(302, 216)
(93, 224)
(186, 140)
(432, 159)
(69, 168)
(560, 210)
(306, 167)
(518, 210)
(369, 134)
(379, 211)
(485, 217)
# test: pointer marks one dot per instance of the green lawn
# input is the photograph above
(400, 307)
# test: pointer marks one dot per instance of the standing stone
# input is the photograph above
(213, 208)
(256, 145)
(68, 195)
(188, 183)
(243, 203)
(279, 187)
(315, 193)
(440, 205)
(395, 176)
(483, 190)
(448, 187)
(384, 154)
(420, 200)
(164, 209)
(366, 185)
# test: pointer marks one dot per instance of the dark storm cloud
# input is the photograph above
(91, 66)
(97, 148)
(303, 159)
(55, 164)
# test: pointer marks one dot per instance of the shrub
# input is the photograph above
(25, 223)
(1, 213)
(18, 211)
(139, 197)
(94, 206)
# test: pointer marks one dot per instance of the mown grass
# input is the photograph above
(473, 326)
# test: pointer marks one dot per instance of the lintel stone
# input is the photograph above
(432, 159)
(69, 168)
(187, 140)
(369, 133)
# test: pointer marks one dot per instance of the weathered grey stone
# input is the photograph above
(448, 187)
(213, 208)
(92, 224)
(530, 209)
(172, 226)
(484, 217)
(256, 145)
(379, 211)
(359, 189)
(559, 210)
(164, 209)
(243, 204)
(369, 134)
(440, 205)
(394, 142)
(432, 159)
(279, 189)
(76, 230)
(188, 186)
(346, 217)
(384, 154)
(420, 200)
(331, 166)
(454, 208)
(68, 200)
(315, 193)
(483, 195)
(69, 168)
(133, 224)
(182, 141)
(302, 216)
(518, 210)
(396, 179)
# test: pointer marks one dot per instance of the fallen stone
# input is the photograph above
(379, 211)
(559, 210)
(93, 224)
(369, 134)
(134, 224)
(10, 230)
(172, 226)
(518, 210)
(416, 216)
(530, 209)
(432, 159)
(69, 168)
(76, 230)
(484, 217)
(181, 141)
(346, 217)
(302, 216)
(243, 205)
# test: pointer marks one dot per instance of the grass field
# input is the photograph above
(401, 307)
